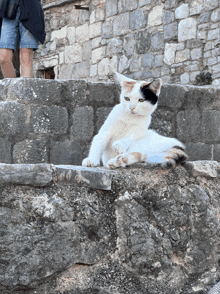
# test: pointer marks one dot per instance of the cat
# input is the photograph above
(125, 138)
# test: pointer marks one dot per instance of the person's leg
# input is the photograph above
(26, 59)
(6, 63)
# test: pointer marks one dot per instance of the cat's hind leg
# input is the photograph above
(174, 156)
(126, 159)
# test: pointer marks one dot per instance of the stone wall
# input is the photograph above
(47, 121)
(175, 40)
(75, 230)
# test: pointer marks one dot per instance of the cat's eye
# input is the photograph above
(141, 100)
(127, 98)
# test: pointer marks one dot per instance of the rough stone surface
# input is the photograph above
(155, 231)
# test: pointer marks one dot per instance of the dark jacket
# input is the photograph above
(31, 16)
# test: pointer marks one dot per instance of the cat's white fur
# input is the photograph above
(125, 137)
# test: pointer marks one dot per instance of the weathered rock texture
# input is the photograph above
(147, 231)
(46, 121)
(171, 39)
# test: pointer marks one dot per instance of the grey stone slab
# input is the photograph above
(163, 121)
(137, 20)
(129, 44)
(38, 91)
(107, 93)
(49, 119)
(210, 126)
(189, 126)
(143, 42)
(107, 29)
(172, 96)
(102, 113)
(82, 123)
(13, 119)
(168, 16)
(121, 24)
(114, 47)
(30, 151)
(111, 7)
(5, 147)
(74, 91)
(198, 151)
(204, 17)
(142, 75)
(82, 69)
(126, 5)
(157, 42)
(84, 176)
(67, 152)
(216, 152)
(38, 175)
(148, 60)
(203, 168)
(171, 32)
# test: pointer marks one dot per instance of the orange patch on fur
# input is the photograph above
(125, 160)
(129, 86)
(137, 155)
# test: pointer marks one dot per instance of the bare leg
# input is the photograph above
(6, 63)
(26, 58)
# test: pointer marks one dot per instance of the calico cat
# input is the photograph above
(125, 137)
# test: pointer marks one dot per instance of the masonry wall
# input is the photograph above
(54, 121)
(175, 40)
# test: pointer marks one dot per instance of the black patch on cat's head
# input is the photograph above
(149, 95)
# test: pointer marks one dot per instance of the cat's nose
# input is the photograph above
(132, 107)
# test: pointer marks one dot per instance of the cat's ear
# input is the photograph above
(125, 82)
(155, 86)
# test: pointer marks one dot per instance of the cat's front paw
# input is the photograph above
(118, 161)
(118, 148)
(89, 162)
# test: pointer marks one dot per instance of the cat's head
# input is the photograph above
(139, 97)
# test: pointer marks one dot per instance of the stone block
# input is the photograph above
(170, 4)
(147, 60)
(82, 69)
(182, 11)
(171, 31)
(123, 64)
(114, 47)
(216, 152)
(204, 17)
(71, 35)
(111, 7)
(83, 176)
(144, 2)
(158, 60)
(82, 33)
(215, 16)
(121, 24)
(66, 72)
(205, 168)
(210, 126)
(129, 45)
(187, 29)
(67, 152)
(157, 42)
(196, 53)
(93, 70)
(38, 175)
(59, 34)
(210, 4)
(87, 50)
(104, 67)
(73, 53)
(196, 6)
(172, 96)
(83, 126)
(163, 121)
(107, 29)
(213, 34)
(169, 53)
(13, 120)
(37, 91)
(5, 147)
(137, 20)
(102, 113)
(142, 75)
(49, 120)
(96, 42)
(198, 151)
(31, 151)
(168, 17)
(4, 85)
(126, 5)
(97, 54)
(182, 55)
(189, 126)
(106, 94)
(74, 92)
(143, 42)
(135, 63)
(95, 30)
(155, 16)
(184, 78)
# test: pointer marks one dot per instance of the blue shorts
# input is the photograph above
(13, 32)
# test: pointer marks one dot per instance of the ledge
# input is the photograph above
(58, 3)
(95, 178)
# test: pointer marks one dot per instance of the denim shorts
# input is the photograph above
(13, 32)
